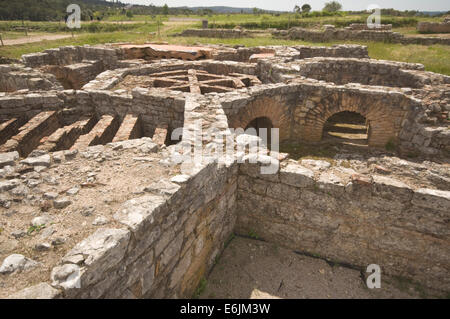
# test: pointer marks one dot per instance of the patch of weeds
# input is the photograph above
(229, 240)
(1, 230)
(391, 146)
(412, 155)
(252, 234)
(36, 229)
(200, 288)
(346, 164)
(216, 259)
(405, 285)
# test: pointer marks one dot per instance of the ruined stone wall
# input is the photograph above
(366, 72)
(72, 55)
(75, 76)
(332, 34)
(29, 104)
(17, 77)
(363, 26)
(301, 109)
(353, 219)
(155, 107)
(170, 242)
(337, 51)
(216, 33)
(433, 27)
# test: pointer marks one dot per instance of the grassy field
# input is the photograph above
(436, 58)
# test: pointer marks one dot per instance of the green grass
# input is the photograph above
(436, 58)
(200, 288)
(252, 234)
(16, 51)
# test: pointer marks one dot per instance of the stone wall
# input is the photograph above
(170, 241)
(301, 116)
(75, 76)
(17, 77)
(72, 55)
(353, 219)
(336, 51)
(333, 34)
(433, 27)
(364, 71)
(155, 107)
(216, 33)
(29, 104)
(363, 26)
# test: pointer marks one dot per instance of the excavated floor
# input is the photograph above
(255, 269)
(72, 200)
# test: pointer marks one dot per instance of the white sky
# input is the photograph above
(288, 5)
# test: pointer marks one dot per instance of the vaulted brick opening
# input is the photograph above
(262, 126)
(347, 128)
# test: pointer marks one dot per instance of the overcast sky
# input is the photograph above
(285, 5)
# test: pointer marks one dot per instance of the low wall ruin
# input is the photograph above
(349, 218)
(216, 33)
(433, 27)
(334, 34)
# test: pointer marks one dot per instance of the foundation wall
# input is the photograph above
(72, 55)
(358, 220)
(216, 33)
(170, 242)
(331, 34)
(430, 27)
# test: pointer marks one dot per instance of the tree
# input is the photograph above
(306, 8)
(165, 9)
(332, 6)
(297, 9)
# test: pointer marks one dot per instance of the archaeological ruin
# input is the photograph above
(96, 203)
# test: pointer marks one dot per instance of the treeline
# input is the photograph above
(50, 10)
(55, 10)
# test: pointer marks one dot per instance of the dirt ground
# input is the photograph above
(258, 270)
(104, 182)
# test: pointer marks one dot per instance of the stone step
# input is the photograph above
(160, 135)
(129, 129)
(103, 132)
(10, 128)
(64, 137)
(30, 134)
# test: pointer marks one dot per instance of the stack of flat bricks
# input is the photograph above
(102, 133)
(64, 137)
(129, 129)
(30, 134)
(160, 135)
(10, 128)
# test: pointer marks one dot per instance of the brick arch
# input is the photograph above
(384, 117)
(272, 108)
